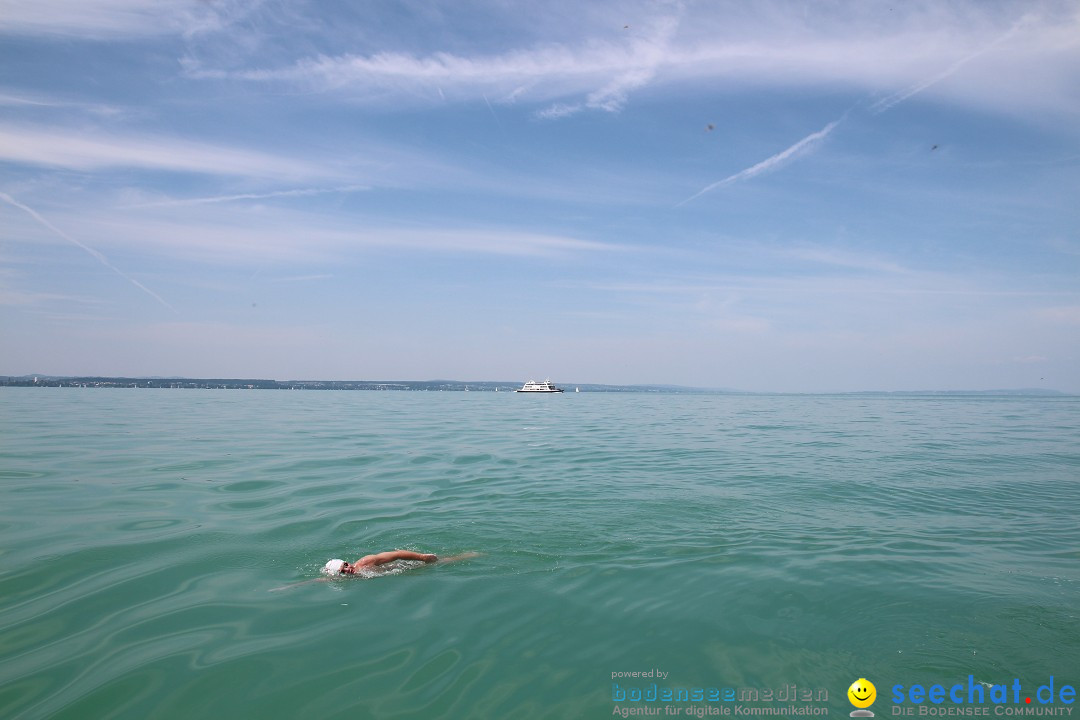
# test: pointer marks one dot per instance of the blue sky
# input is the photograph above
(779, 196)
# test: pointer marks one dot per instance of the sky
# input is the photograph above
(779, 195)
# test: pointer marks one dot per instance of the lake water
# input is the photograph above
(727, 541)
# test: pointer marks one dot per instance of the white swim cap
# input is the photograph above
(333, 567)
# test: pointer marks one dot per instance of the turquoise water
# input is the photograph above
(742, 541)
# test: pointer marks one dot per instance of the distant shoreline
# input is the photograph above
(455, 386)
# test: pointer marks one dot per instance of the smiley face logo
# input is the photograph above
(862, 693)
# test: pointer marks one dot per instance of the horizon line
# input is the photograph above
(32, 378)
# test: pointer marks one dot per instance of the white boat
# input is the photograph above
(539, 387)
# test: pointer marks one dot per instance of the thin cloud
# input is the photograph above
(228, 236)
(390, 70)
(107, 19)
(32, 299)
(559, 111)
(302, 192)
(91, 251)
(301, 278)
(603, 72)
(25, 101)
(596, 69)
(770, 163)
(62, 148)
(837, 257)
(610, 98)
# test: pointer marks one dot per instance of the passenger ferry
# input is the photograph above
(539, 387)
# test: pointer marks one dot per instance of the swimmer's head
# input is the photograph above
(334, 567)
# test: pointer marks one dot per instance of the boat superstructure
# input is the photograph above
(539, 387)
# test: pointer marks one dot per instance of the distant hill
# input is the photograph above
(444, 386)
(1021, 392)
(264, 384)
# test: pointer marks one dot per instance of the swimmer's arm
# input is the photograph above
(386, 557)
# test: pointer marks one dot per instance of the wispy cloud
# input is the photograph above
(301, 278)
(300, 192)
(604, 76)
(32, 101)
(91, 251)
(595, 67)
(612, 97)
(559, 111)
(12, 297)
(242, 235)
(770, 163)
(69, 149)
(838, 257)
(602, 73)
(107, 19)
(649, 54)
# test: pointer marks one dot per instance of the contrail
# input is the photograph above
(253, 196)
(876, 109)
(497, 121)
(898, 97)
(94, 253)
(769, 163)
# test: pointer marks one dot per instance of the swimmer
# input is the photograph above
(338, 568)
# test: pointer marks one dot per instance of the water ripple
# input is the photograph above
(728, 539)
